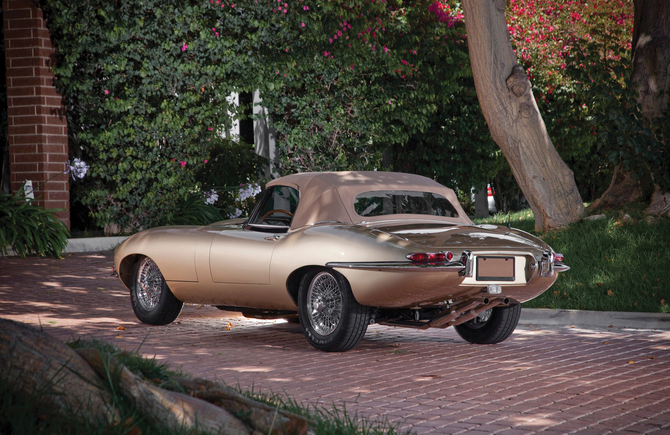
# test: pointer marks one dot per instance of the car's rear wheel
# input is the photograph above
(491, 326)
(152, 300)
(330, 317)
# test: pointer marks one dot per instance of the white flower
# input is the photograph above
(78, 169)
(211, 197)
(236, 214)
(248, 190)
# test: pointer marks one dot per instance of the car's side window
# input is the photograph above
(276, 208)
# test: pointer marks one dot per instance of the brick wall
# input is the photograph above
(36, 119)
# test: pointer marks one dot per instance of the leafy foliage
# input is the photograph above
(146, 84)
(28, 228)
(192, 211)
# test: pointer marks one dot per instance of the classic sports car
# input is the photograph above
(339, 251)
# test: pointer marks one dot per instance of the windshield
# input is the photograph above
(385, 202)
(276, 207)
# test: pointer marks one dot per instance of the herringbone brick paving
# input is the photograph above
(547, 381)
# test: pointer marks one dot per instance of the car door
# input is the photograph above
(243, 255)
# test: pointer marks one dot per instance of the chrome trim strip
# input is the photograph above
(560, 267)
(399, 266)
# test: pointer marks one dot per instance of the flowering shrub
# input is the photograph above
(77, 169)
(576, 52)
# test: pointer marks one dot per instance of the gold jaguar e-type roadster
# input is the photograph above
(340, 251)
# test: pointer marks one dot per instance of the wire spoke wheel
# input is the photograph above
(325, 303)
(149, 284)
(152, 300)
(330, 317)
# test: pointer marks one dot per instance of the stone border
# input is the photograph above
(594, 319)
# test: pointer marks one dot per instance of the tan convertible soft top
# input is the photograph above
(329, 196)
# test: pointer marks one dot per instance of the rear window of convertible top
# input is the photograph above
(385, 202)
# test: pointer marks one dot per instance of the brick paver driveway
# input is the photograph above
(547, 381)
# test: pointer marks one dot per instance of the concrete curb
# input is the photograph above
(89, 244)
(92, 244)
(594, 319)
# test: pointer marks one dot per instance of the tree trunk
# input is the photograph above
(651, 71)
(72, 384)
(623, 189)
(160, 407)
(505, 96)
(32, 362)
(651, 55)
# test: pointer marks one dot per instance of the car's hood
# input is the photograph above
(436, 236)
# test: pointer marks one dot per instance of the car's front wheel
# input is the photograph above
(152, 300)
(330, 317)
(491, 326)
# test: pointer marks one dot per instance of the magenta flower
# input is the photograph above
(404, 62)
(106, 92)
(205, 160)
(184, 47)
(302, 24)
(210, 129)
(182, 163)
(305, 8)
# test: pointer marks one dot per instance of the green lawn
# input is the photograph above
(616, 264)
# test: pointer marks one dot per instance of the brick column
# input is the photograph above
(38, 148)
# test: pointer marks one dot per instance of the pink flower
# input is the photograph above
(184, 47)
(389, 102)
(352, 66)
(305, 8)
(404, 62)
(205, 160)
(106, 92)
(302, 24)
(284, 11)
(210, 129)
(233, 5)
(331, 40)
(182, 163)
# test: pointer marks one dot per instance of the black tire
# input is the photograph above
(498, 327)
(152, 300)
(330, 317)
